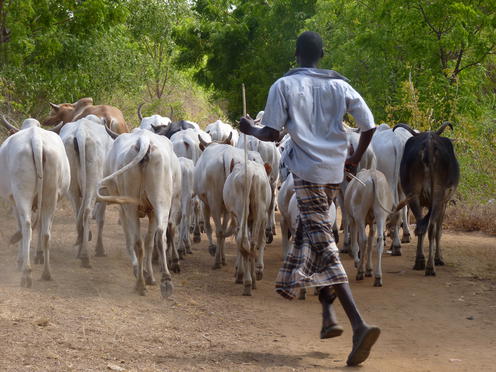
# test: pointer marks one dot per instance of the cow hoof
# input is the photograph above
(429, 271)
(359, 276)
(269, 238)
(378, 282)
(100, 253)
(181, 253)
(26, 281)
(166, 288)
(368, 273)
(196, 238)
(39, 259)
(140, 288)
(439, 262)
(259, 275)
(406, 238)
(216, 266)
(303, 294)
(90, 236)
(239, 279)
(175, 268)
(149, 279)
(247, 289)
(395, 250)
(419, 265)
(212, 248)
(46, 276)
(85, 262)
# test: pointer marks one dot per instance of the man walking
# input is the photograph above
(310, 104)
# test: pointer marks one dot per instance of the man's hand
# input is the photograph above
(351, 165)
(246, 125)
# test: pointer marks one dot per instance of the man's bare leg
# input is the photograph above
(364, 336)
(330, 326)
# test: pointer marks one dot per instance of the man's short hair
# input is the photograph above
(309, 46)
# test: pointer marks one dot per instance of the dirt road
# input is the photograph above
(91, 320)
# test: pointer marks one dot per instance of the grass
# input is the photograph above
(472, 217)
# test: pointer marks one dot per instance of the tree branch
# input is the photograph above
(488, 52)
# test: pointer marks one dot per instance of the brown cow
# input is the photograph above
(69, 112)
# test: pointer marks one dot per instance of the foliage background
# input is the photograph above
(415, 61)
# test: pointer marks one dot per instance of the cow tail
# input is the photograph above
(374, 190)
(245, 241)
(37, 148)
(396, 176)
(80, 147)
(144, 148)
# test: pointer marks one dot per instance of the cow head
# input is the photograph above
(204, 144)
(415, 133)
(66, 112)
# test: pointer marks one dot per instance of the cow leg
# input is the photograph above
(429, 269)
(396, 244)
(76, 204)
(285, 236)
(129, 212)
(381, 222)
(368, 268)
(149, 245)
(362, 244)
(166, 286)
(140, 280)
(197, 217)
(260, 247)
(354, 240)
(100, 219)
(406, 238)
(247, 278)
(171, 247)
(225, 222)
(84, 217)
(25, 227)
(335, 231)
(239, 274)
(270, 229)
(417, 212)
(212, 248)
(47, 212)
(438, 260)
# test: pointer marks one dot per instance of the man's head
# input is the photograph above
(309, 49)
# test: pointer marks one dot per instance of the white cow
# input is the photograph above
(211, 172)
(187, 144)
(143, 175)
(220, 131)
(87, 144)
(35, 174)
(247, 196)
(368, 161)
(369, 202)
(388, 145)
(270, 155)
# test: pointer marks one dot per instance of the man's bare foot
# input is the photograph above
(363, 340)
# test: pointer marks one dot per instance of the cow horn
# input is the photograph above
(171, 112)
(443, 127)
(54, 106)
(405, 126)
(110, 132)
(140, 116)
(227, 141)
(57, 128)
(203, 143)
(9, 126)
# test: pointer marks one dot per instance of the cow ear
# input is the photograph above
(155, 128)
(231, 167)
(54, 106)
(268, 168)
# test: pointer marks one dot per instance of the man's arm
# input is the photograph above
(247, 126)
(352, 162)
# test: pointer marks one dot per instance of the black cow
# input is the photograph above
(429, 175)
(172, 128)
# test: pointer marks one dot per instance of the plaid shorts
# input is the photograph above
(313, 261)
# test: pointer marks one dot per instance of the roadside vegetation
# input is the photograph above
(419, 62)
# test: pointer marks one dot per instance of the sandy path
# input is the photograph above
(88, 320)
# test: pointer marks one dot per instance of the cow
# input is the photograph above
(247, 197)
(388, 145)
(271, 155)
(429, 175)
(87, 145)
(369, 201)
(187, 144)
(35, 175)
(143, 175)
(70, 112)
(220, 131)
(368, 161)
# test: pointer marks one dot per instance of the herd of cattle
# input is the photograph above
(181, 177)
